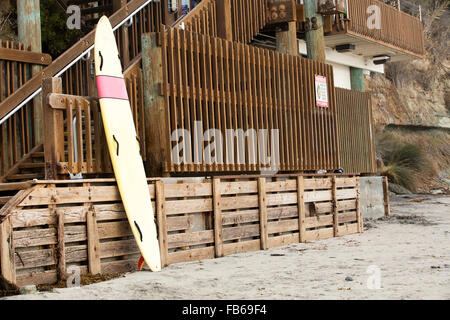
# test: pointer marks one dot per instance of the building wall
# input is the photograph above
(341, 76)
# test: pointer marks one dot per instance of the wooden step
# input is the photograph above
(24, 176)
(38, 155)
(32, 165)
(4, 200)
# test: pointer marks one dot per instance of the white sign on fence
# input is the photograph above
(321, 91)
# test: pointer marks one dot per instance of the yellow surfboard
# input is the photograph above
(123, 144)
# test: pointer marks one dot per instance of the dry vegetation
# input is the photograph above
(415, 159)
(8, 20)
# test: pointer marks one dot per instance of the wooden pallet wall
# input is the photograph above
(56, 228)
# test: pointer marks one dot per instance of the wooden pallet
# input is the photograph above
(59, 225)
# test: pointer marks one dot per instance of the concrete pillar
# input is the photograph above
(357, 79)
(29, 32)
(315, 40)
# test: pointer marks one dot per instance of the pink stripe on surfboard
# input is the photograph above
(111, 87)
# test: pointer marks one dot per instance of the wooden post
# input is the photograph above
(29, 33)
(334, 207)
(301, 209)
(358, 208)
(315, 40)
(218, 227)
(7, 261)
(387, 205)
(162, 221)
(61, 246)
(287, 40)
(53, 129)
(93, 241)
(224, 23)
(264, 236)
(156, 125)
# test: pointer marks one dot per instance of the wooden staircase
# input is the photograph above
(77, 79)
(31, 166)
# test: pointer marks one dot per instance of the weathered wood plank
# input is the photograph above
(187, 190)
(70, 195)
(301, 208)
(325, 233)
(7, 249)
(242, 232)
(218, 228)
(181, 240)
(263, 213)
(109, 230)
(60, 250)
(282, 226)
(93, 235)
(188, 206)
(45, 277)
(191, 255)
(33, 259)
(348, 229)
(35, 237)
(283, 240)
(241, 247)
(162, 220)
(113, 249)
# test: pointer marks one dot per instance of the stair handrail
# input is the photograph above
(191, 14)
(33, 87)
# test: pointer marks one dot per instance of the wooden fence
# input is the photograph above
(355, 128)
(219, 85)
(57, 227)
(248, 18)
(397, 28)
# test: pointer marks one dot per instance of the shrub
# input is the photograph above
(403, 162)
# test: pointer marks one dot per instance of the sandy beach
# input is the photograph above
(407, 256)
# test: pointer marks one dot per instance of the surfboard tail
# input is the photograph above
(141, 263)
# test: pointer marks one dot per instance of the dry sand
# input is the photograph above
(411, 250)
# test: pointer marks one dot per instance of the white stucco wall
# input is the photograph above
(341, 76)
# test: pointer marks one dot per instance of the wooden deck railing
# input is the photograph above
(355, 128)
(17, 134)
(398, 28)
(221, 85)
(79, 79)
(202, 19)
(248, 18)
(78, 144)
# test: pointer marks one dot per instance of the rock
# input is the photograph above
(437, 191)
(277, 255)
(397, 189)
(348, 278)
(28, 289)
